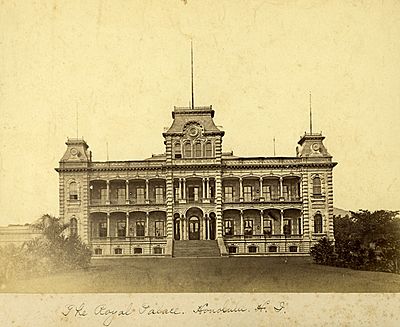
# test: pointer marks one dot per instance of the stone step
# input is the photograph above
(195, 248)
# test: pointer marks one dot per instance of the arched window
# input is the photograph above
(177, 150)
(73, 227)
(73, 191)
(317, 186)
(187, 150)
(208, 149)
(197, 149)
(318, 223)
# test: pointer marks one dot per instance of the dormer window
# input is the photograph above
(208, 149)
(187, 150)
(197, 150)
(73, 191)
(317, 186)
(177, 150)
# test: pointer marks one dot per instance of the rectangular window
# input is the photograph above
(196, 194)
(247, 193)
(248, 227)
(159, 228)
(98, 251)
(121, 196)
(285, 192)
(103, 229)
(121, 228)
(267, 227)
(287, 226)
(228, 194)
(118, 251)
(159, 195)
(176, 194)
(103, 195)
(229, 228)
(140, 195)
(267, 192)
(140, 228)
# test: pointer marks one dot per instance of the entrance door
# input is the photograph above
(194, 228)
(177, 230)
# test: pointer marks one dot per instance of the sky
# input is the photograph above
(121, 66)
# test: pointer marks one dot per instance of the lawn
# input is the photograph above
(245, 274)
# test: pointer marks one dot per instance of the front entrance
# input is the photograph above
(194, 228)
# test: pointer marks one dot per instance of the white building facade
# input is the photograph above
(196, 197)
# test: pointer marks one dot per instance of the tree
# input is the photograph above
(323, 252)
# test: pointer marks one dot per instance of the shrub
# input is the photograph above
(323, 252)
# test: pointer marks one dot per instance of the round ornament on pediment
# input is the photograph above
(316, 147)
(193, 131)
(74, 152)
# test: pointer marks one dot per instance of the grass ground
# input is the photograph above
(245, 274)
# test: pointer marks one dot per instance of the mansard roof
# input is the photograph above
(184, 116)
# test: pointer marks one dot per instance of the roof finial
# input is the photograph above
(310, 116)
(274, 146)
(77, 121)
(191, 52)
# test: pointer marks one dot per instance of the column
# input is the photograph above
(207, 187)
(281, 188)
(127, 191)
(241, 223)
(108, 192)
(108, 224)
(281, 221)
(262, 222)
(204, 228)
(147, 191)
(240, 189)
(181, 228)
(204, 189)
(184, 188)
(261, 189)
(184, 228)
(127, 225)
(147, 224)
(207, 227)
(180, 189)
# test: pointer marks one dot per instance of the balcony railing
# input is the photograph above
(137, 201)
(119, 239)
(237, 237)
(265, 199)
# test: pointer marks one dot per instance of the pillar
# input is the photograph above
(147, 191)
(281, 221)
(184, 188)
(281, 188)
(207, 187)
(147, 224)
(181, 228)
(108, 192)
(241, 223)
(204, 228)
(180, 189)
(207, 228)
(108, 224)
(240, 189)
(261, 189)
(127, 191)
(127, 225)
(262, 222)
(204, 188)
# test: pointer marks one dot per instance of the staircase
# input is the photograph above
(196, 249)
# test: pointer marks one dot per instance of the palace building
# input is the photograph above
(195, 199)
